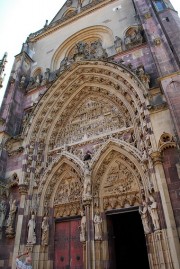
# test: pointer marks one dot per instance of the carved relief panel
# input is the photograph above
(68, 191)
(120, 185)
(68, 196)
(93, 118)
(119, 180)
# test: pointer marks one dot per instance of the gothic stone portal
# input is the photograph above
(127, 246)
(68, 248)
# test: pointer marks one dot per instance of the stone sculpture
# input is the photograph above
(152, 208)
(31, 231)
(83, 227)
(118, 44)
(3, 211)
(11, 217)
(97, 226)
(45, 231)
(143, 210)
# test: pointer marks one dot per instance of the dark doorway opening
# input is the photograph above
(127, 245)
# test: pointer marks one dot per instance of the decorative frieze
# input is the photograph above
(67, 209)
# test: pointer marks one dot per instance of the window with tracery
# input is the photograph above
(161, 5)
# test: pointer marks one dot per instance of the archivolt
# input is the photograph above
(112, 78)
(83, 79)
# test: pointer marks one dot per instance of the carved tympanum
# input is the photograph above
(93, 118)
(69, 190)
(119, 180)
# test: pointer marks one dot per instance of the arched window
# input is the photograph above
(159, 5)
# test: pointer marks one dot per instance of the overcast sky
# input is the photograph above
(19, 18)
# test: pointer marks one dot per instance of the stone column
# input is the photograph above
(88, 240)
(86, 202)
(172, 234)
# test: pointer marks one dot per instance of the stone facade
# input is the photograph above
(90, 129)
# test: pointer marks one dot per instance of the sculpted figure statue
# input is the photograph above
(38, 79)
(22, 81)
(143, 210)
(97, 226)
(31, 230)
(3, 211)
(80, 47)
(64, 64)
(87, 182)
(83, 227)
(127, 42)
(118, 44)
(45, 231)
(12, 213)
(152, 208)
(31, 81)
(47, 74)
(144, 77)
(98, 51)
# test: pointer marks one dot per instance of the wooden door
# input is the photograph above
(68, 248)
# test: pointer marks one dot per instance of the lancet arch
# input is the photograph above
(119, 176)
(64, 173)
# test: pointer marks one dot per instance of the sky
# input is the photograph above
(19, 18)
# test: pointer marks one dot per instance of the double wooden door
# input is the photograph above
(68, 248)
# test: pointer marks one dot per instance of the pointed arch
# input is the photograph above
(94, 32)
(53, 176)
(119, 176)
(113, 83)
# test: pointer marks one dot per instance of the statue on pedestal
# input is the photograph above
(118, 44)
(3, 211)
(31, 231)
(87, 183)
(152, 208)
(97, 226)
(83, 227)
(45, 231)
(11, 219)
(143, 210)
